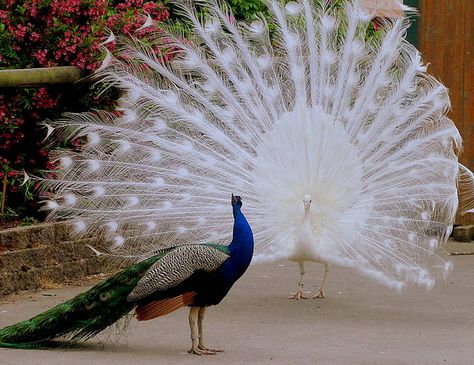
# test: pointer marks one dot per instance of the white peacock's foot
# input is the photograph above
(319, 295)
(299, 295)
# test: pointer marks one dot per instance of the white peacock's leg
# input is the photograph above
(201, 345)
(320, 293)
(299, 292)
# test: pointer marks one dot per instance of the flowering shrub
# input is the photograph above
(41, 33)
(44, 33)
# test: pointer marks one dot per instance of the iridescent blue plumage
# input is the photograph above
(211, 292)
(195, 275)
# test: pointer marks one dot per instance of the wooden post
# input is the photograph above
(40, 76)
(4, 193)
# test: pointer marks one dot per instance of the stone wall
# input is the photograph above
(47, 254)
(44, 255)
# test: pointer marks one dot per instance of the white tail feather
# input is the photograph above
(319, 110)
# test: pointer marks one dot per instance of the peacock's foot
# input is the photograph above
(202, 350)
(299, 295)
(214, 351)
(319, 295)
(199, 352)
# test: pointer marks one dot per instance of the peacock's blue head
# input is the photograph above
(236, 201)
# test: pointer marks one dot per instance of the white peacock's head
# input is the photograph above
(307, 202)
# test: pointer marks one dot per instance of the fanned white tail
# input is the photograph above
(320, 109)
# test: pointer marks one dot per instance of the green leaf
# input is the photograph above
(21, 10)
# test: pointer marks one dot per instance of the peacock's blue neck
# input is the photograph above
(241, 247)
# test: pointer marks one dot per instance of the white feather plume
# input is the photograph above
(318, 110)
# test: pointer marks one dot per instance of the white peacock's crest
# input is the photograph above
(319, 109)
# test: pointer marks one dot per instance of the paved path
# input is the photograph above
(360, 323)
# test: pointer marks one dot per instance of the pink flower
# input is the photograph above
(40, 56)
(35, 37)
(20, 32)
(33, 11)
(43, 100)
(3, 15)
(149, 7)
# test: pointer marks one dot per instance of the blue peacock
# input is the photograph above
(195, 275)
(339, 142)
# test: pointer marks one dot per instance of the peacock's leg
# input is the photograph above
(320, 293)
(195, 326)
(201, 345)
(193, 314)
(299, 292)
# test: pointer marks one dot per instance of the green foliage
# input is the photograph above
(246, 9)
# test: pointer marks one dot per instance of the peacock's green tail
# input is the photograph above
(83, 316)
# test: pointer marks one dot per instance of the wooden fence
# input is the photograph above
(446, 40)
